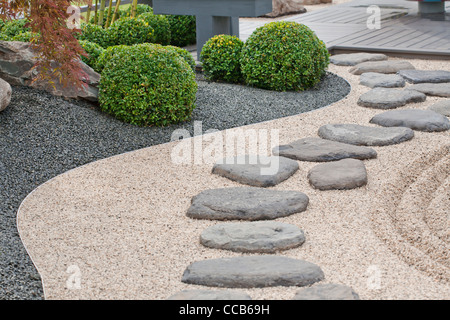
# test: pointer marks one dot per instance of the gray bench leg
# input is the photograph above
(209, 26)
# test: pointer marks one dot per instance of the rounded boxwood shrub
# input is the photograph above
(147, 85)
(93, 50)
(107, 55)
(140, 9)
(183, 53)
(160, 25)
(220, 58)
(284, 56)
(129, 31)
(94, 33)
(182, 30)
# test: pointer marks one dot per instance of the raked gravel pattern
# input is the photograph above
(120, 224)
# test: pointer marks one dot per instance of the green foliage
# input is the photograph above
(182, 30)
(160, 25)
(27, 36)
(147, 85)
(96, 34)
(94, 51)
(13, 27)
(183, 53)
(220, 58)
(284, 56)
(129, 31)
(141, 8)
(107, 55)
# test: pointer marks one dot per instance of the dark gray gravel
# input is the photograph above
(42, 136)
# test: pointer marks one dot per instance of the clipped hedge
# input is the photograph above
(160, 25)
(94, 51)
(129, 31)
(284, 56)
(183, 53)
(220, 58)
(107, 55)
(182, 30)
(147, 85)
(96, 34)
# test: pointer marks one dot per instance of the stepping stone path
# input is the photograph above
(210, 295)
(326, 292)
(258, 171)
(421, 120)
(374, 79)
(389, 98)
(432, 89)
(425, 76)
(321, 150)
(351, 59)
(253, 272)
(442, 107)
(365, 135)
(341, 175)
(246, 203)
(254, 237)
(388, 66)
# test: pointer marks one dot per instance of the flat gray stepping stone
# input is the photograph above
(254, 237)
(253, 272)
(442, 107)
(351, 59)
(387, 66)
(257, 171)
(374, 79)
(389, 98)
(425, 76)
(210, 295)
(326, 292)
(432, 89)
(364, 135)
(321, 150)
(246, 203)
(421, 120)
(339, 175)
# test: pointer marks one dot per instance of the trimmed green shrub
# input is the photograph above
(94, 33)
(129, 31)
(186, 55)
(182, 30)
(25, 36)
(160, 25)
(13, 27)
(220, 58)
(284, 56)
(147, 85)
(140, 9)
(107, 55)
(94, 51)
(2, 24)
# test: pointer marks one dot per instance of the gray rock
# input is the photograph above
(388, 98)
(254, 237)
(326, 292)
(341, 175)
(387, 66)
(432, 89)
(321, 150)
(351, 59)
(246, 203)
(210, 295)
(421, 120)
(257, 171)
(5, 94)
(425, 76)
(442, 107)
(374, 79)
(253, 272)
(364, 135)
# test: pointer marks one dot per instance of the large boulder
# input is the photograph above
(5, 94)
(16, 67)
(284, 7)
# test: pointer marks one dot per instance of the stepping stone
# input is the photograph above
(257, 171)
(341, 175)
(374, 79)
(253, 272)
(432, 89)
(425, 76)
(321, 150)
(326, 292)
(388, 66)
(442, 107)
(246, 203)
(388, 98)
(421, 120)
(351, 59)
(364, 135)
(254, 237)
(210, 295)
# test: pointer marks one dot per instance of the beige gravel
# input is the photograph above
(117, 229)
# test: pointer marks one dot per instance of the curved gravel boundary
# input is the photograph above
(42, 136)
